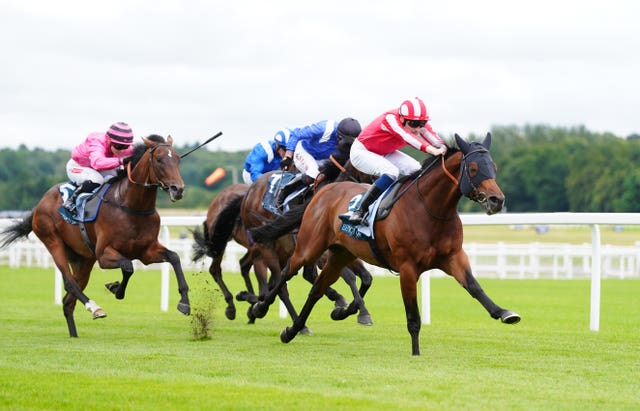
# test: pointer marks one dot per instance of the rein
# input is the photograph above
(152, 173)
(421, 198)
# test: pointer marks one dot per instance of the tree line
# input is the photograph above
(540, 169)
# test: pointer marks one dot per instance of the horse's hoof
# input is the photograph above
(339, 313)
(259, 310)
(252, 319)
(509, 317)
(184, 308)
(286, 335)
(113, 287)
(242, 295)
(99, 313)
(305, 331)
(230, 313)
(365, 319)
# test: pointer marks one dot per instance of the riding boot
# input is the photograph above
(85, 187)
(369, 197)
(291, 186)
(377, 188)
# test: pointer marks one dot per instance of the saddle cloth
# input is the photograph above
(85, 211)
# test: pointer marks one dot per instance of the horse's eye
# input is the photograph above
(473, 169)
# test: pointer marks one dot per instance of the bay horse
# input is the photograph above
(125, 228)
(221, 225)
(276, 253)
(422, 231)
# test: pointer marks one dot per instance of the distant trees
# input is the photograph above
(540, 169)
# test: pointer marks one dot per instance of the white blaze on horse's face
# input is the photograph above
(170, 155)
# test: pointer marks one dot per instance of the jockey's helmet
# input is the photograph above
(282, 137)
(349, 128)
(120, 133)
(413, 109)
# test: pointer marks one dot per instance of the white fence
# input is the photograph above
(500, 260)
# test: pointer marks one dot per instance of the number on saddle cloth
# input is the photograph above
(276, 183)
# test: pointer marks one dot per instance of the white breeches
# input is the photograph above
(305, 163)
(79, 174)
(393, 164)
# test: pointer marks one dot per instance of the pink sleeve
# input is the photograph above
(98, 159)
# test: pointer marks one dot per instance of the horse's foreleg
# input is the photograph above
(261, 307)
(216, 272)
(458, 267)
(496, 312)
(408, 284)
(330, 273)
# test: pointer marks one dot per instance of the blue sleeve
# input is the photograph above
(319, 139)
(255, 162)
(307, 133)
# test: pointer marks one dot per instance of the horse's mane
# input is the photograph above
(138, 151)
(429, 163)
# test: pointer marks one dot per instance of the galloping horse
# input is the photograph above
(221, 225)
(126, 228)
(276, 253)
(422, 231)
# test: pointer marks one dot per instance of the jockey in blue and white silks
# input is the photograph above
(265, 156)
(310, 145)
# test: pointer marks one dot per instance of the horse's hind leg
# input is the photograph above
(216, 272)
(310, 273)
(245, 270)
(183, 306)
(120, 288)
(75, 276)
(340, 313)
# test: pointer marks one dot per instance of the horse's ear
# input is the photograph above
(464, 146)
(170, 140)
(486, 143)
(147, 142)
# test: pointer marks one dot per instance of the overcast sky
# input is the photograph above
(248, 68)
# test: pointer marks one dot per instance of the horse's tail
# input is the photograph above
(20, 229)
(214, 240)
(199, 247)
(222, 227)
(282, 225)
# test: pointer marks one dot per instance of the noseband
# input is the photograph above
(152, 173)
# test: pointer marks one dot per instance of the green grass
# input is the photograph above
(139, 358)
(556, 234)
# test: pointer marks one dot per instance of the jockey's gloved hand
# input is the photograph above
(286, 163)
(436, 151)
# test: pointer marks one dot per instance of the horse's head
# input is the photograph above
(158, 164)
(478, 173)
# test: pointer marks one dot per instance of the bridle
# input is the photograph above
(150, 183)
(468, 185)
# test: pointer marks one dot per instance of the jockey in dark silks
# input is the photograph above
(312, 148)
